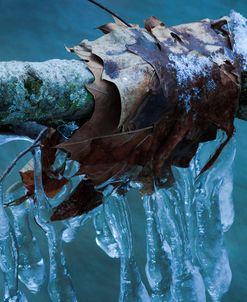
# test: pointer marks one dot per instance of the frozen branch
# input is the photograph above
(53, 91)
(45, 92)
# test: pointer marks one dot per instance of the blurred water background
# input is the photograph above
(37, 30)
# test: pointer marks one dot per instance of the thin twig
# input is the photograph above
(109, 11)
(109, 136)
(23, 153)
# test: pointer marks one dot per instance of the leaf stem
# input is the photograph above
(109, 11)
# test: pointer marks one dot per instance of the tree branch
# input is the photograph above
(47, 92)
(54, 91)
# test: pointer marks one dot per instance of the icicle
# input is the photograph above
(212, 221)
(187, 284)
(158, 264)
(8, 257)
(104, 237)
(73, 225)
(31, 264)
(117, 215)
(60, 285)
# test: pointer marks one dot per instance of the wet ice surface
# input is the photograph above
(9, 256)
(60, 285)
(184, 225)
(31, 263)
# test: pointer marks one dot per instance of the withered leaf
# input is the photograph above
(48, 152)
(104, 157)
(130, 73)
(83, 199)
(217, 106)
(152, 22)
(107, 109)
(51, 186)
(168, 104)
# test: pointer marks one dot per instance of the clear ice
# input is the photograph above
(186, 259)
(60, 285)
(31, 264)
(9, 256)
(118, 217)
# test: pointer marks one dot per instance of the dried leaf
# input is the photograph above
(107, 109)
(176, 86)
(152, 22)
(129, 73)
(82, 200)
(103, 157)
(217, 106)
(51, 186)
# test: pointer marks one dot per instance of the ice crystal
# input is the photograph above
(189, 66)
(238, 27)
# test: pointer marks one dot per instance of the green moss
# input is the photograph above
(89, 98)
(33, 85)
(3, 115)
(61, 103)
(75, 105)
(72, 86)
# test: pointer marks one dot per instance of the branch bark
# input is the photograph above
(46, 92)
(53, 92)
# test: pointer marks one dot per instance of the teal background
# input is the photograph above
(37, 30)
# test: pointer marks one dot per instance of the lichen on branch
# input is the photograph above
(45, 92)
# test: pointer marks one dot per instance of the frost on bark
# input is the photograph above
(48, 92)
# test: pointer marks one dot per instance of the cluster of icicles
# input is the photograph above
(185, 224)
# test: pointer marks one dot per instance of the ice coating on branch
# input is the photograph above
(226, 188)
(189, 66)
(74, 224)
(238, 27)
(4, 221)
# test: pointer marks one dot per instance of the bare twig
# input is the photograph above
(109, 11)
(23, 153)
